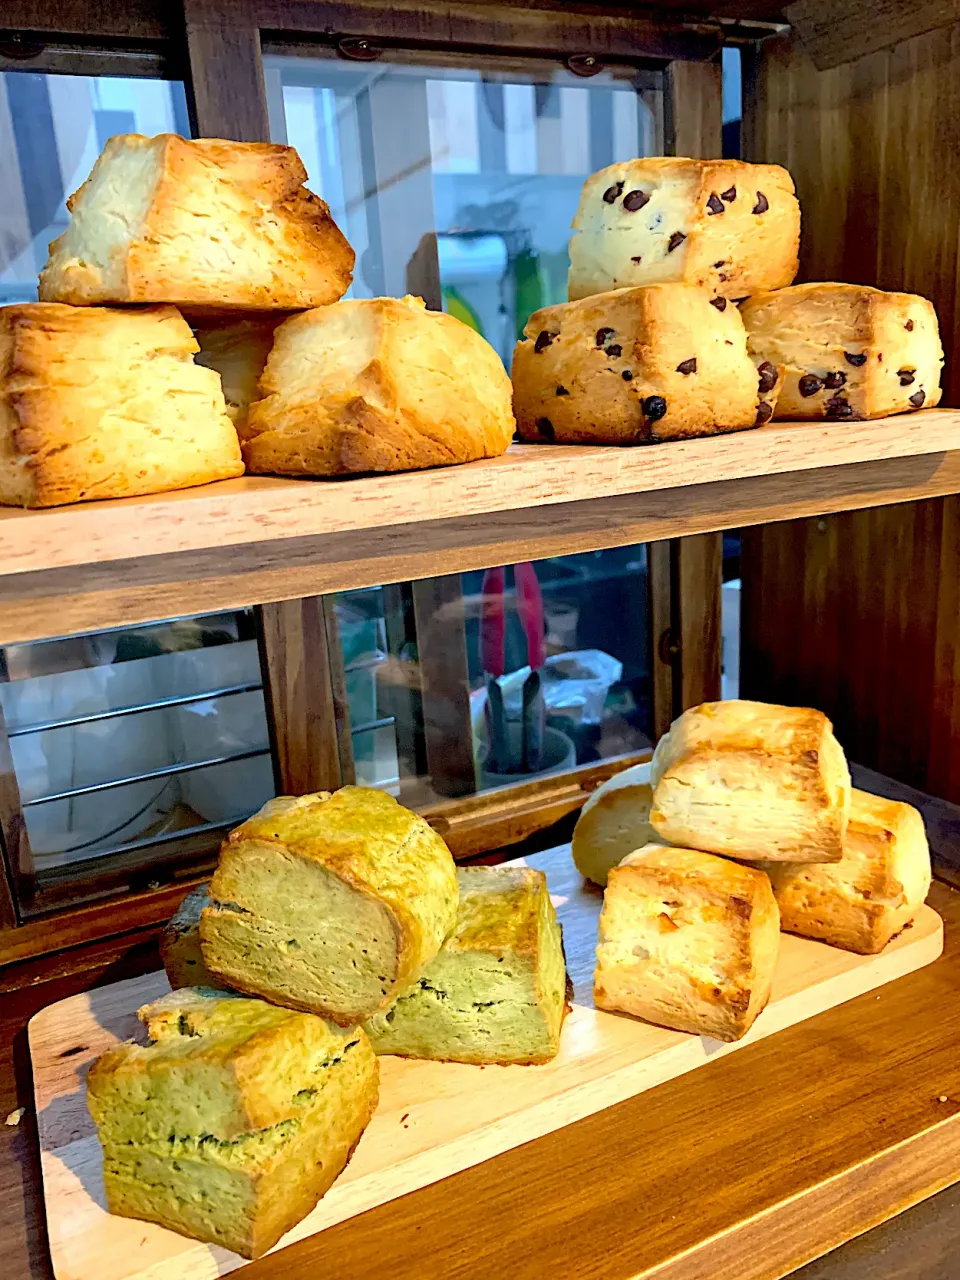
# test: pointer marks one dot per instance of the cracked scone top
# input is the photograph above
(331, 903)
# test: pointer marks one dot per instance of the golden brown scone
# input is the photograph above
(877, 887)
(198, 223)
(103, 402)
(377, 384)
(634, 367)
(237, 347)
(849, 351)
(614, 822)
(729, 227)
(687, 941)
(753, 781)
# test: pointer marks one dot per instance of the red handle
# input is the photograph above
(492, 624)
(530, 609)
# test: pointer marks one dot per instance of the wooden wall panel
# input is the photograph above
(857, 613)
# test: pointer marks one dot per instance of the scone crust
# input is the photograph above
(377, 384)
(786, 764)
(849, 351)
(102, 402)
(738, 226)
(633, 367)
(276, 244)
(180, 951)
(623, 802)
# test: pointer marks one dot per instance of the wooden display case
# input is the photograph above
(848, 563)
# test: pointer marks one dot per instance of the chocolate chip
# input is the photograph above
(627, 376)
(715, 204)
(837, 407)
(614, 350)
(909, 326)
(768, 377)
(635, 200)
(906, 376)
(719, 303)
(637, 259)
(917, 398)
(688, 366)
(675, 241)
(543, 341)
(762, 205)
(835, 380)
(855, 358)
(764, 412)
(810, 384)
(603, 335)
(654, 407)
(721, 263)
(729, 195)
(612, 194)
(562, 391)
(545, 427)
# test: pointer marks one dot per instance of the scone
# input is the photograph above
(849, 351)
(687, 941)
(726, 226)
(377, 384)
(237, 349)
(877, 887)
(331, 903)
(234, 1121)
(614, 822)
(496, 991)
(202, 223)
(635, 366)
(102, 402)
(180, 951)
(752, 781)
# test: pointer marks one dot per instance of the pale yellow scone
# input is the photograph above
(848, 351)
(753, 781)
(201, 223)
(237, 347)
(106, 402)
(236, 1118)
(377, 384)
(614, 822)
(180, 952)
(636, 366)
(878, 886)
(330, 903)
(729, 227)
(687, 941)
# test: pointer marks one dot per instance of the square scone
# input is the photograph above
(753, 781)
(687, 941)
(234, 1120)
(497, 990)
(614, 822)
(877, 887)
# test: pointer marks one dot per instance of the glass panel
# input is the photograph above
(125, 742)
(459, 182)
(52, 128)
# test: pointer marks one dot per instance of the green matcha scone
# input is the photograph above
(330, 903)
(234, 1121)
(497, 990)
(180, 951)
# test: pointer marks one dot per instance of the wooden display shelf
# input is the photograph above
(260, 539)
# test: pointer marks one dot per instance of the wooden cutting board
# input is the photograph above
(434, 1119)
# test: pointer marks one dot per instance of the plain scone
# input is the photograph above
(237, 347)
(849, 351)
(104, 402)
(180, 952)
(233, 1122)
(687, 941)
(497, 991)
(201, 223)
(637, 366)
(878, 886)
(614, 822)
(377, 384)
(753, 781)
(726, 226)
(333, 903)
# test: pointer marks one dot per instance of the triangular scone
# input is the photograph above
(202, 223)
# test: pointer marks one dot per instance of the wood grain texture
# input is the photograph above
(433, 1119)
(226, 95)
(699, 579)
(664, 647)
(693, 110)
(438, 609)
(834, 34)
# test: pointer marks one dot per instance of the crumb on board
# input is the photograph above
(16, 1116)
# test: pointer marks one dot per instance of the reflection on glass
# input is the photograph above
(459, 183)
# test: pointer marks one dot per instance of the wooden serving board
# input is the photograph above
(434, 1119)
